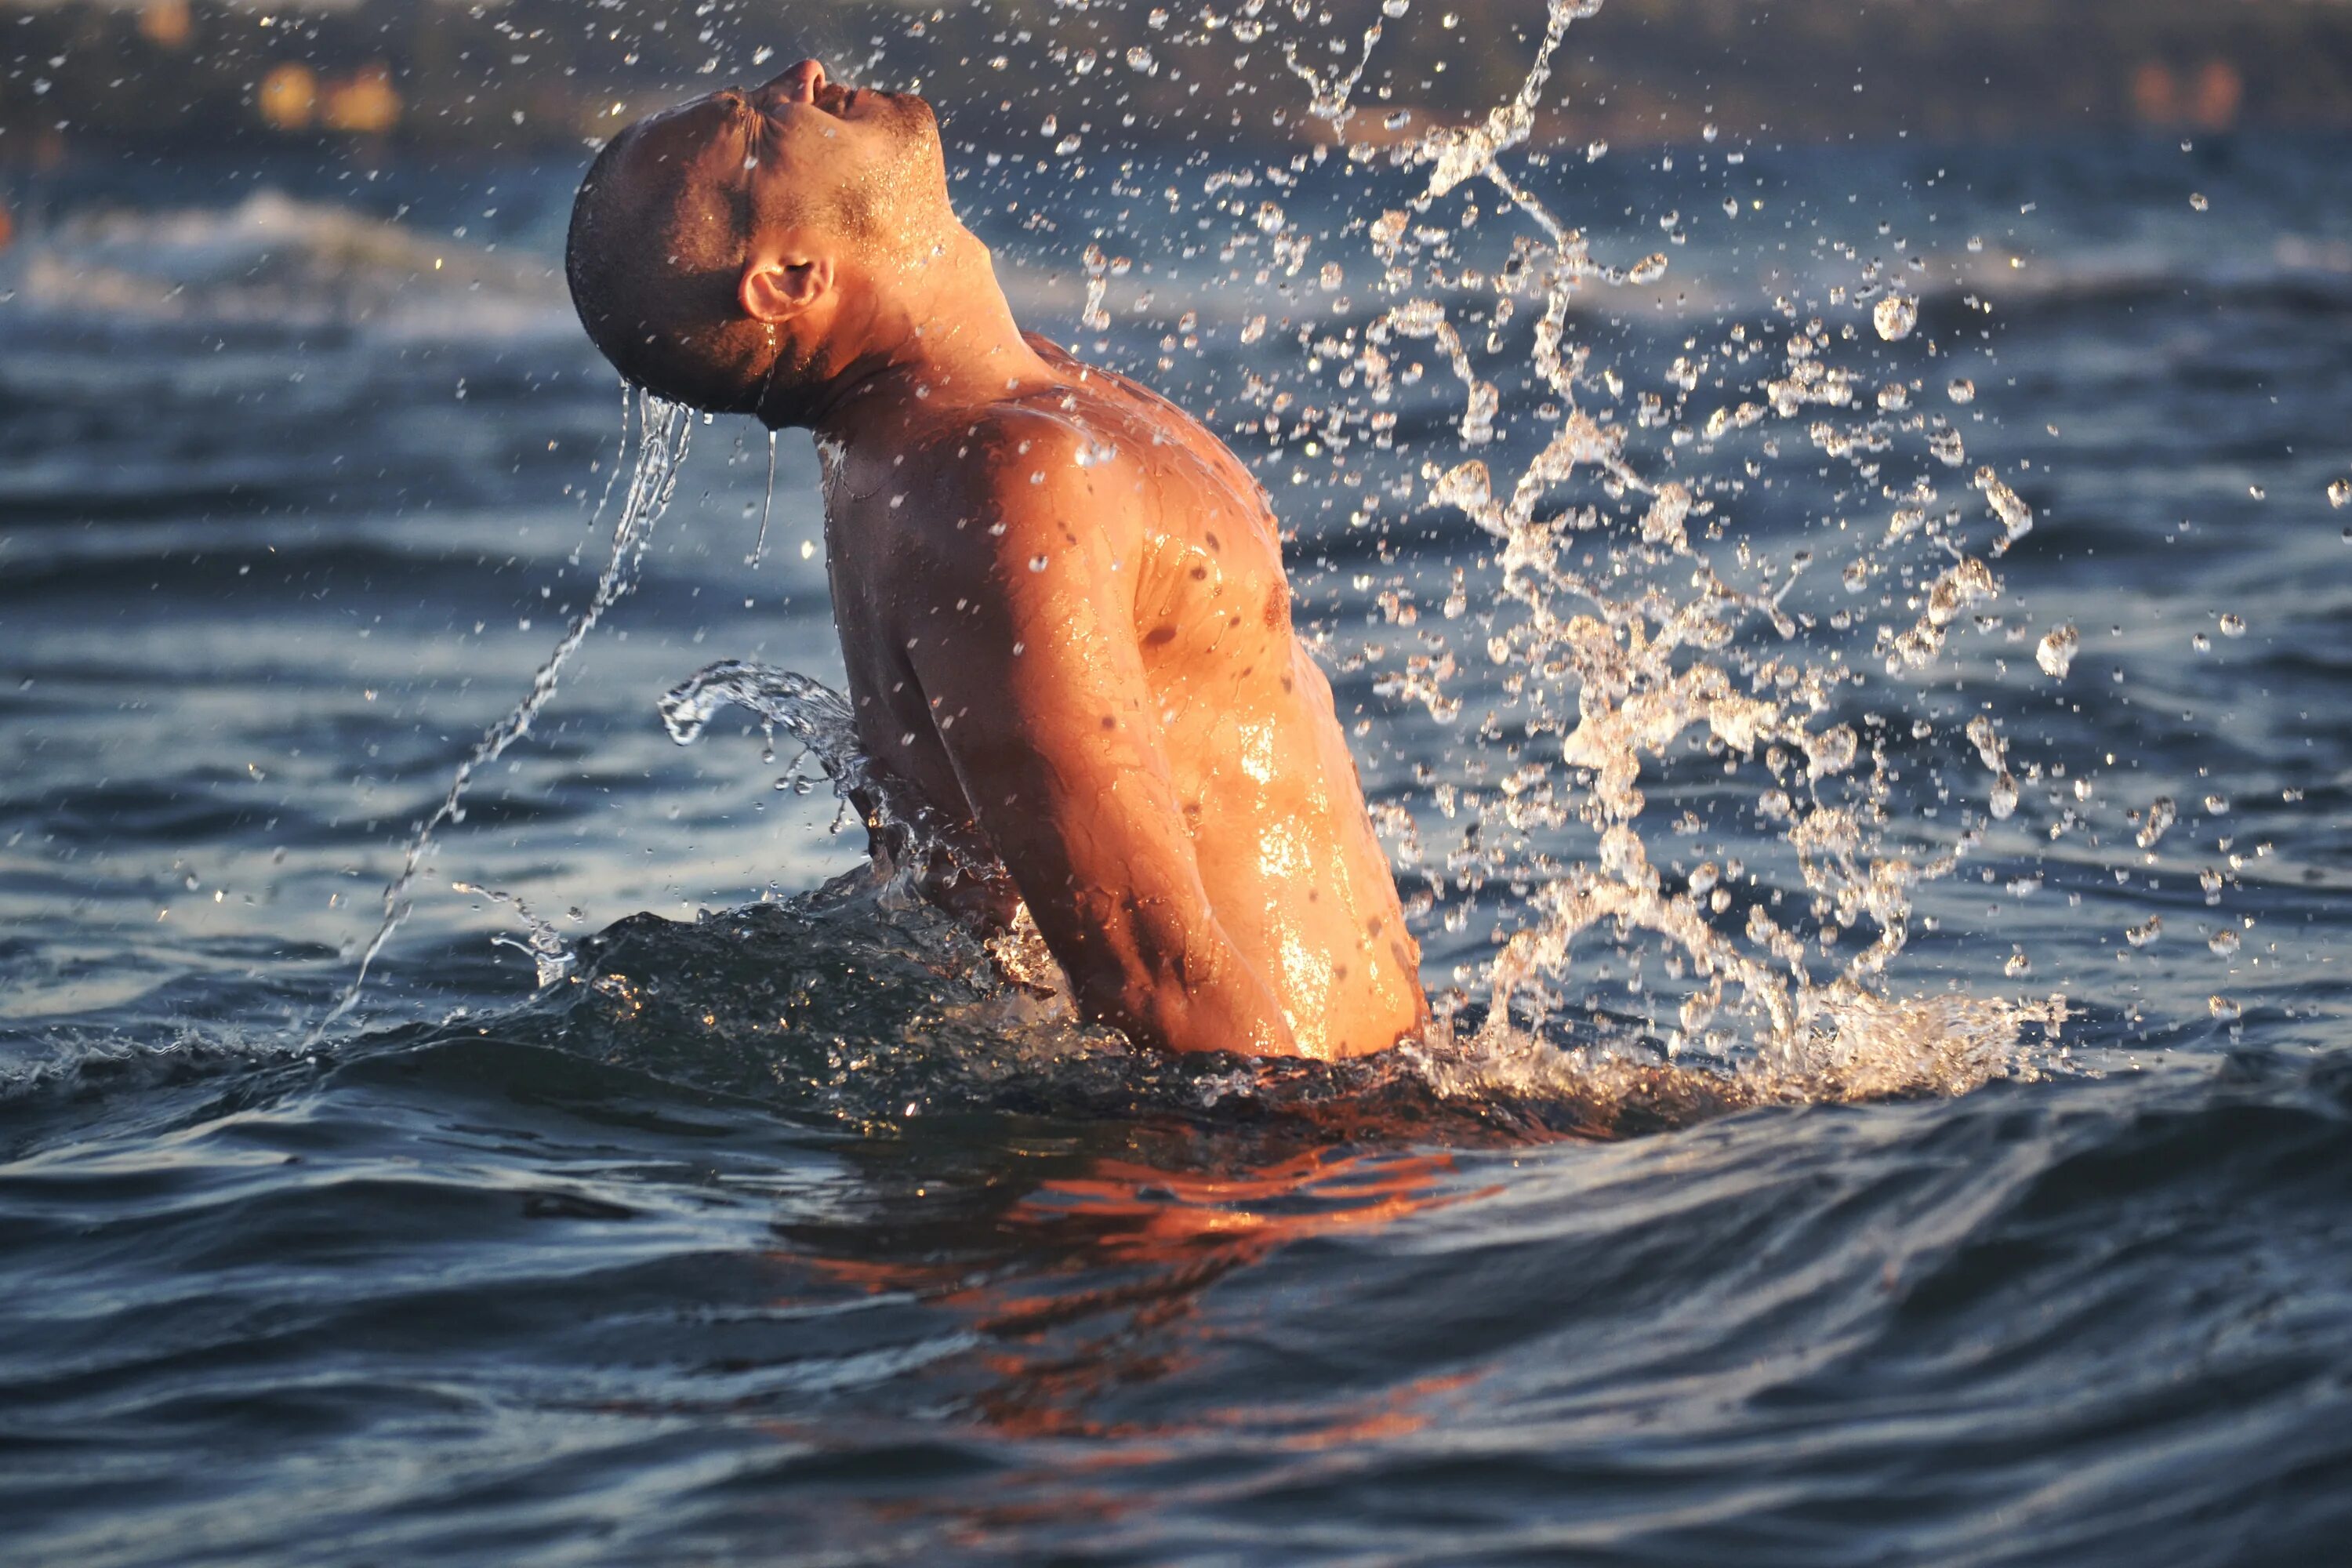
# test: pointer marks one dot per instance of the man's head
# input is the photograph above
(721, 250)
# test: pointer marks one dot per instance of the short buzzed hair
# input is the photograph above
(653, 267)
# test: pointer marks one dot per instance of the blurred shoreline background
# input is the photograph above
(163, 79)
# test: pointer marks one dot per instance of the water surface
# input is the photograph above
(771, 1234)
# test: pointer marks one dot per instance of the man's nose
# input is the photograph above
(800, 83)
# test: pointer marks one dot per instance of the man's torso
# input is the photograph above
(1255, 750)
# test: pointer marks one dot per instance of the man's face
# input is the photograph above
(699, 223)
(802, 151)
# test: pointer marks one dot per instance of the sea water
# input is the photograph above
(787, 1218)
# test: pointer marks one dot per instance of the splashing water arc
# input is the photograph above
(663, 431)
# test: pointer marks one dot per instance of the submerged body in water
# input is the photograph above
(1061, 600)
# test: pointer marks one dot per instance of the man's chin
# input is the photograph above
(911, 110)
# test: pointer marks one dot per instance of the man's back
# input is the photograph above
(1065, 613)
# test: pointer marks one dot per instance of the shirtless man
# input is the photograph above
(1061, 600)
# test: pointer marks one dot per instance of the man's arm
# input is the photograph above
(1023, 643)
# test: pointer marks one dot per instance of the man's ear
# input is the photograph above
(776, 291)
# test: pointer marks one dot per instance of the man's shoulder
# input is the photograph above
(1019, 458)
(1030, 439)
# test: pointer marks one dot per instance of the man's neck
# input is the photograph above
(941, 335)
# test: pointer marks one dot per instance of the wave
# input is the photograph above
(859, 1006)
(273, 261)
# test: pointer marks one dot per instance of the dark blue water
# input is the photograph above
(776, 1232)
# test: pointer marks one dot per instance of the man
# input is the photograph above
(1061, 600)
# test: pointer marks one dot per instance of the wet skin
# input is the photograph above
(1063, 610)
(1066, 620)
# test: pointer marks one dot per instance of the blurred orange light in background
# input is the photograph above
(287, 97)
(165, 22)
(366, 103)
(2219, 91)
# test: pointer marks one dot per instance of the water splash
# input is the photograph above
(911, 844)
(767, 508)
(664, 429)
(550, 956)
(1628, 645)
(1651, 639)
(1632, 647)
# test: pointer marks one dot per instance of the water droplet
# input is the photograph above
(2018, 963)
(1962, 390)
(1987, 741)
(1595, 150)
(2014, 514)
(2217, 805)
(2201, 642)
(2056, 652)
(2224, 943)
(2233, 626)
(1649, 269)
(2257, 492)
(2004, 797)
(2161, 813)
(1270, 219)
(1039, 562)
(2339, 493)
(1895, 316)
(2197, 199)
(2223, 1010)
(2146, 932)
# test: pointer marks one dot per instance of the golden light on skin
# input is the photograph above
(287, 97)
(1310, 978)
(1258, 759)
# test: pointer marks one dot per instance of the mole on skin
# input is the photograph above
(1164, 780)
